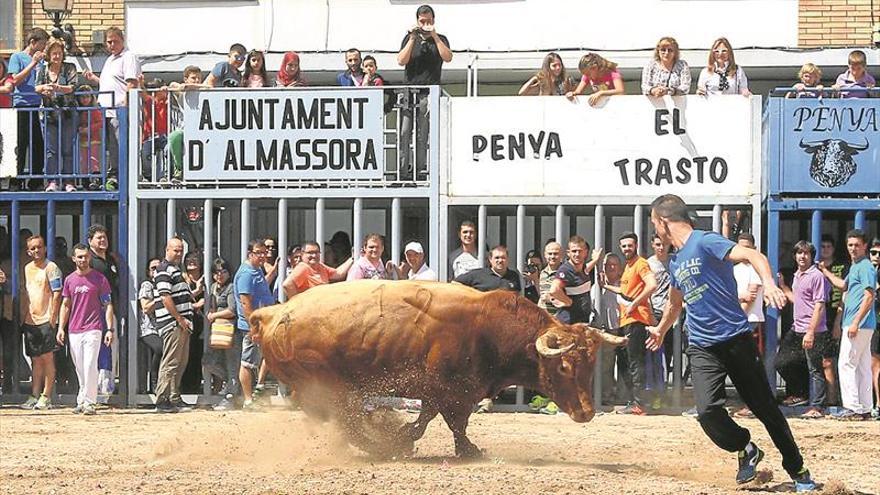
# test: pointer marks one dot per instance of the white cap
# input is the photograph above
(414, 246)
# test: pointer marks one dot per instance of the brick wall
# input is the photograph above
(835, 22)
(87, 16)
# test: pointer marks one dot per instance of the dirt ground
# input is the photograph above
(281, 451)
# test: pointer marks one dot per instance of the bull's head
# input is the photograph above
(832, 163)
(567, 357)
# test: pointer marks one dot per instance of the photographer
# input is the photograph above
(423, 52)
(532, 275)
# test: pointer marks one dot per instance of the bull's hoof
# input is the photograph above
(468, 451)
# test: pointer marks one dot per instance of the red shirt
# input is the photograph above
(160, 109)
(6, 98)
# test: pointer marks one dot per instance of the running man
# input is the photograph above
(701, 273)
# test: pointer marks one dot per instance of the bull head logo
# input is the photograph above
(832, 164)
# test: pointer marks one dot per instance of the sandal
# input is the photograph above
(812, 413)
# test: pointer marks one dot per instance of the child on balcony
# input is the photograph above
(155, 130)
(371, 77)
(810, 76)
(91, 132)
(602, 75)
(854, 82)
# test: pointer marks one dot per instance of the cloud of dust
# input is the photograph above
(270, 442)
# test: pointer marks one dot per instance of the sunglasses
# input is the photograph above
(875, 252)
(240, 58)
(666, 50)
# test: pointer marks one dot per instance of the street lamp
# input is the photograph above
(57, 11)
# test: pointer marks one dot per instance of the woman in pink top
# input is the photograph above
(602, 75)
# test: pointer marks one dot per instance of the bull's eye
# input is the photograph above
(565, 369)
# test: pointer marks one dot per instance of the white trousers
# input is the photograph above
(854, 369)
(84, 349)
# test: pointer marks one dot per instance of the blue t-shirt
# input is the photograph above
(226, 75)
(577, 287)
(250, 280)
(862, 276)
(17, 63)
(705, 278)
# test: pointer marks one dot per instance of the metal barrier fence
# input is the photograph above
(75, 146)
(217, 209)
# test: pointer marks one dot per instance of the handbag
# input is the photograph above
(222, 331)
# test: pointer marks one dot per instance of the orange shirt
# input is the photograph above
(632, 283)
(39, 284)
(305, 277)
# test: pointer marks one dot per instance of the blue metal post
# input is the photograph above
(859, 222)
(86, 220)
(122, 243)
(14, 234)
(50, 229)
(816, 228)
(770, 338)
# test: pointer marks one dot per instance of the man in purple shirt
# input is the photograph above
(809, 292)
(85, 294)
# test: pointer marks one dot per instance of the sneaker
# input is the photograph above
(252, 406)
(89, 410)
(538, 402)
(633, 408)
(69, 187)
(52, 186)
(94, 185)
(484, 406)
(224, 405)
(849, 415)
(43, 403)
(875, 413)
(111, 184)
(551, 408)
(803, 482)
(795, 401)
(165, 407)
(691, 413)
(748, 463)
(78, 409)
(656, 404)
(182, 406)
(29, 403)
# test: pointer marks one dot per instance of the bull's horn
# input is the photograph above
(608, 338)
(810, 144)
(544, 349)
(857, 147)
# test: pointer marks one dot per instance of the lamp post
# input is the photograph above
(57, 11)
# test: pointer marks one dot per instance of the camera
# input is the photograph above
(531, 268)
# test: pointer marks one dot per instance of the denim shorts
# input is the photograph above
(251, 357)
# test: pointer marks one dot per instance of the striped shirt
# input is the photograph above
(545, 283)
(169, 281)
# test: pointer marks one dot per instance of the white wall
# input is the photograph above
(487, 25)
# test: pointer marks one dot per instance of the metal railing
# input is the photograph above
(72, 148)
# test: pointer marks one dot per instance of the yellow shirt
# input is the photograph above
(40, 283)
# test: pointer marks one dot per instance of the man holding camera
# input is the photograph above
(423, 52)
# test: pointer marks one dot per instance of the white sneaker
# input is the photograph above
(69, 188)
(52, 187)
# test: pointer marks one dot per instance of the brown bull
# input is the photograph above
(446, 344)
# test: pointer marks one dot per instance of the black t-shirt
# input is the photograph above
(577, 287)
(425, 63)
(110, 270)
(484, 280)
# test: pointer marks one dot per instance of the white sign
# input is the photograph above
(8, 138)
(626, 146)
(282, 134)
